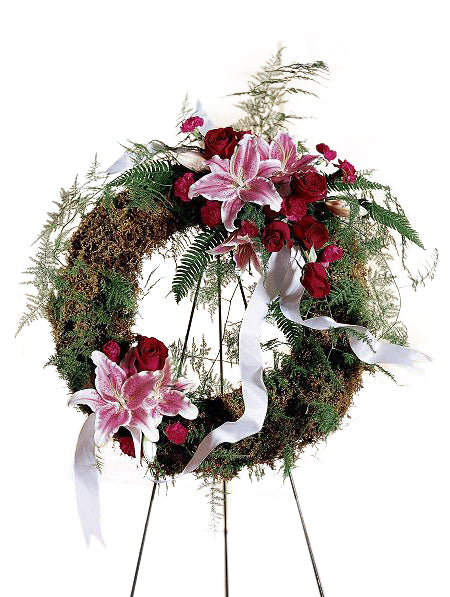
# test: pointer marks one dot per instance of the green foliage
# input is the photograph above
(325, 416)
(268, 91)
(292, 331)
(390, 219)
(194, 261)
(53, 241)
(119, 294)
(147, 184)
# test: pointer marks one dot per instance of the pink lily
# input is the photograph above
(167, 397)
(284, 149)
(243, 249)
(242, 179)
(135, 402)
(118, 401)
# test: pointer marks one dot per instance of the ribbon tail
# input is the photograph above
(364, 344)
(86, 482)
(251, 364)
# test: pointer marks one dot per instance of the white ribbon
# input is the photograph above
(86, 482)
(283, 279)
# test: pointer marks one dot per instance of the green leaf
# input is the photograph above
(194, 261)
(398, 222)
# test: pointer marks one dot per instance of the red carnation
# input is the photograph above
(150, 354)
(315, 280)
(249, 228)
(182, 185)
(311, 232)
(274, 235)
(112, 350)
(294, 208)
(176, 433)
(126, 445)
(222, 142)
(348, 171)
(210, 214)
(192, 123)
(310, 186)
(331, 253)
(328, 154)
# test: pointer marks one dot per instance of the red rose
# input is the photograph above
(274, 236)
(331, 253)
(294, 208)
(311, 232)
(249, 228)
(222, 142)
(176, 433)
(328, 154)
(210, 214)
(112, 350)
(150, 354)
(310, 186)
(182, 185)
(348, 171)
(126, 445)
(315, 280)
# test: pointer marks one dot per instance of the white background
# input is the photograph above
(80, 77)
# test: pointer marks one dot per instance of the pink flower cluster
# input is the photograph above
(245, 168)
(135, 394)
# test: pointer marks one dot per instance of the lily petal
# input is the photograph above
(89, 397)
(216, 186)
(139, 386)
(185, 385)
(230, 210)
(284, 149)
(128, 363)
(175, 403)
(136, 436)
(263, 148)
(108, 375)
(108, 419)
(218, 165)
(268, 168)
(262, 192)
(141, 419)
(244, 163)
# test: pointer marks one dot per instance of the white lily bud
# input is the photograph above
(338, 207)
(193, 160)
(312, 255)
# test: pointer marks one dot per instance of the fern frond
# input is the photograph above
(194, 261)
(390, 219)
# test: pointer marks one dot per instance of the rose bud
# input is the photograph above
(176, 433)
(112, 350)
(274, 235)
(311, 232)
(315, 280)
(191, 159)
(328, 154)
